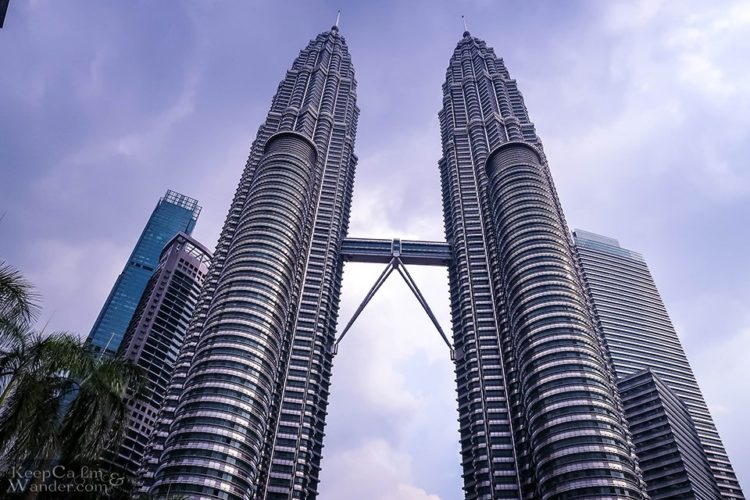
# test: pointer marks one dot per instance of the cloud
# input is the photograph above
(392, 392)
(398, 186)
(672, 78)
(372, 471)
(628, 16)
(82, 273)
(389, 361)
(647, 135)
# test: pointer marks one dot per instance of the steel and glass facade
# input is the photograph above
(245, 413)
(639, 335)
(154, 339)
(538, 408)
(540, 416)
(669, 450)
(3, 11)
(174, 213)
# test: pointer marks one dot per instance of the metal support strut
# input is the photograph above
(394, 264)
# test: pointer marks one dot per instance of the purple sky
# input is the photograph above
(644, 109)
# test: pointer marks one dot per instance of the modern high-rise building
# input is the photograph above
(639, 335)
(154, 340)
(538, 408)
(669, 450)
(539, 412)
(174, 213)
(256, 367)
(3, 11)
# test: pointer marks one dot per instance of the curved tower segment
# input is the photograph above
(246, 407)
(578, 441)
(538, 410)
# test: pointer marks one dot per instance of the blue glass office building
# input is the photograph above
(174, 213)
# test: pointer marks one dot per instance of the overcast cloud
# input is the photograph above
(643, 107)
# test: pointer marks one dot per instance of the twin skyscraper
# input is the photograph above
(571, 381)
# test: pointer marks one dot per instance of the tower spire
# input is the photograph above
(338, 18)
(466, 28)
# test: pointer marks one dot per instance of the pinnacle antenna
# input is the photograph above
(463, 18)
(338, 18)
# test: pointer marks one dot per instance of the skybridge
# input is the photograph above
(421, 253)
(396, 254)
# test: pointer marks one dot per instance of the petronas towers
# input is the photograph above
(540, 416)
(248, 408)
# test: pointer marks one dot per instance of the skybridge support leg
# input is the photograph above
(378, 283)
(423, 302)
(395, 263)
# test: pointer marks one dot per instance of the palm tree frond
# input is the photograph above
(28, 419)
(58, 399)
(97, 418)
(18, 301)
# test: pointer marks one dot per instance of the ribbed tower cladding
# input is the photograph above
(245, 412)
(538, 408)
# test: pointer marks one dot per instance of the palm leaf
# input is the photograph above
(97, 417)
(18, 301)
(28, 419)
(59, 401)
